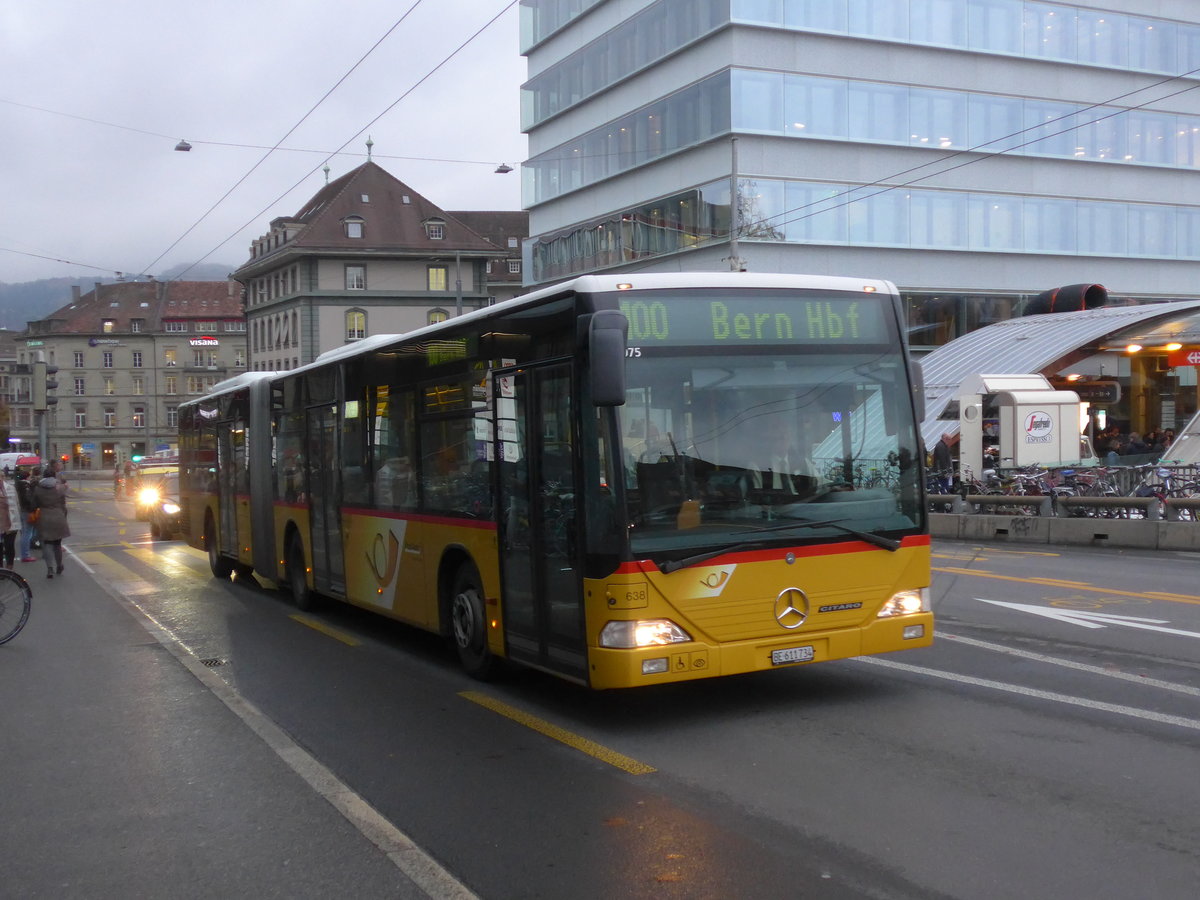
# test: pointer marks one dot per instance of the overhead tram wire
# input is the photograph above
(264, 157)
(237, 146)
(358, 133)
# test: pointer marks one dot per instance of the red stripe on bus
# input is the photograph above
(415, 517)
(913, 540)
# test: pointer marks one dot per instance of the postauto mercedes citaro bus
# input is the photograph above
(622, 480)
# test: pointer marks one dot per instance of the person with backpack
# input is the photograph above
(50, 505)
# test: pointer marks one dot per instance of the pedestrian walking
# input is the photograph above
(24, 486)
(50, 502)
(10, 523)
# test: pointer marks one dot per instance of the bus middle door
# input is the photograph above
(543, 611)
(325, 491)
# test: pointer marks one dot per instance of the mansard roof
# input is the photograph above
(393, 214)
(151, 302)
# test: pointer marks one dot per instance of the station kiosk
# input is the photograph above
(1033, 423)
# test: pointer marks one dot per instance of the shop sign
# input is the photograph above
(1106, 392)
(96, 342)
(204, 342)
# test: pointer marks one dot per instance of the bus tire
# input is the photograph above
(468, 624)
(302, 595)
(222, 567)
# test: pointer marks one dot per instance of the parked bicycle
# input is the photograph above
(16, 600)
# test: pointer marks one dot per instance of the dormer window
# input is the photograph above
(108, 325)
(354, 226)
(435, 229)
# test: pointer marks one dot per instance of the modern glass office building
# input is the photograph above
(975, 152)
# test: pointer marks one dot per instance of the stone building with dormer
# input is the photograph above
(366, 255)
(127, 354)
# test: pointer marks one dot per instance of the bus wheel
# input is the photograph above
(468, 619)
(302, 595)
(221, 566)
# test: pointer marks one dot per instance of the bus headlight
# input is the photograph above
(170, 508)
(906, 602)
(643, 633)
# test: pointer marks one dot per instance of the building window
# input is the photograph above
(139, 417)
(80, 387)
(239, 358)
(139, 384)
(80, 417)
(108, 359)
(354, 226)
(172, 384)
(356, 278)
(137, 359)
(438, 315)
(356, 325)
(109, 387)
(169, 356)
(236, 326)
(204, 327)
(438, 278)
(110, 417)
(195, 384)
(175, 326)
(108, 325)
(514, 267)
(136, 325)
(172, 417)
(435, 230)
(79, 359)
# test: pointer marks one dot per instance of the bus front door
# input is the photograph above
(325, 489)
(543, 610)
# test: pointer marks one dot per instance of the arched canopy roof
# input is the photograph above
(1025, 346)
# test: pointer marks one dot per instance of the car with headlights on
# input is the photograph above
(163, 510)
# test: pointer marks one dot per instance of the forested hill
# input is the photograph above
(31, 300)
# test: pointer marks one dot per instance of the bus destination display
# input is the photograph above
(684, 320)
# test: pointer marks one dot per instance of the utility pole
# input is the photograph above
(736, 263)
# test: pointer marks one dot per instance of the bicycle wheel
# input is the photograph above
(16, 599)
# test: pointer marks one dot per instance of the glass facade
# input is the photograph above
(1015, 27)
(842, 109)
(804, 106)
(683, 119)
(873, 215)
(633, 45)
(541, 18)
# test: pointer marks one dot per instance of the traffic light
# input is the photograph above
(43, 383)
(51, 384)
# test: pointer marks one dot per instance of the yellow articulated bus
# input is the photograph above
(623, 480)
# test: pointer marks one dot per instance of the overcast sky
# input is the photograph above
(95, 94)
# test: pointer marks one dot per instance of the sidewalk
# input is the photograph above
(123, 773)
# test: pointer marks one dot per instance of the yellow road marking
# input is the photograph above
(1055, 583)
(325, 630)
(591, 748)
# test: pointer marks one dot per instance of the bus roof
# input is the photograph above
(584, 284)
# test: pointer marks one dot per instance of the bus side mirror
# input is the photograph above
(607, 333)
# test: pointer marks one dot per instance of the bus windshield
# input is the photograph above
(717, 446)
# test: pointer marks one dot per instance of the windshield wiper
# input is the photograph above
(869, 537)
